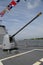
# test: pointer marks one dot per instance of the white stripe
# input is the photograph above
(41, 59)
(39, 49)
(17, 55)
(37, 63)
(1, 63)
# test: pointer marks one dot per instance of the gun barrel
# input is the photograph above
(27, 24)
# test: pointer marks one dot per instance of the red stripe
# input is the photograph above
(13, 3)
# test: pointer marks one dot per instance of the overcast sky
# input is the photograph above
(19, 15)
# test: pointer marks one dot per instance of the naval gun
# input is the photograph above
(8, 41)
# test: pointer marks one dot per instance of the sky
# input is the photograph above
(21, 14)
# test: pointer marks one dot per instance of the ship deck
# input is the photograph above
(26, 56)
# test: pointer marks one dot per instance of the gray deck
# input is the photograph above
(27, 56)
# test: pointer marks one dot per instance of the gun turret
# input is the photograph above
(8, 41)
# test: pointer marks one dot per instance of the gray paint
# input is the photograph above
(3, 31)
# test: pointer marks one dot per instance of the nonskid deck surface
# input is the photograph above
(26, 56)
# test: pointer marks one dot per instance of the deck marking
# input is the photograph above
(1, 63)
(39, 49)
(37, 63)
(41, 59)
(20, 54)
